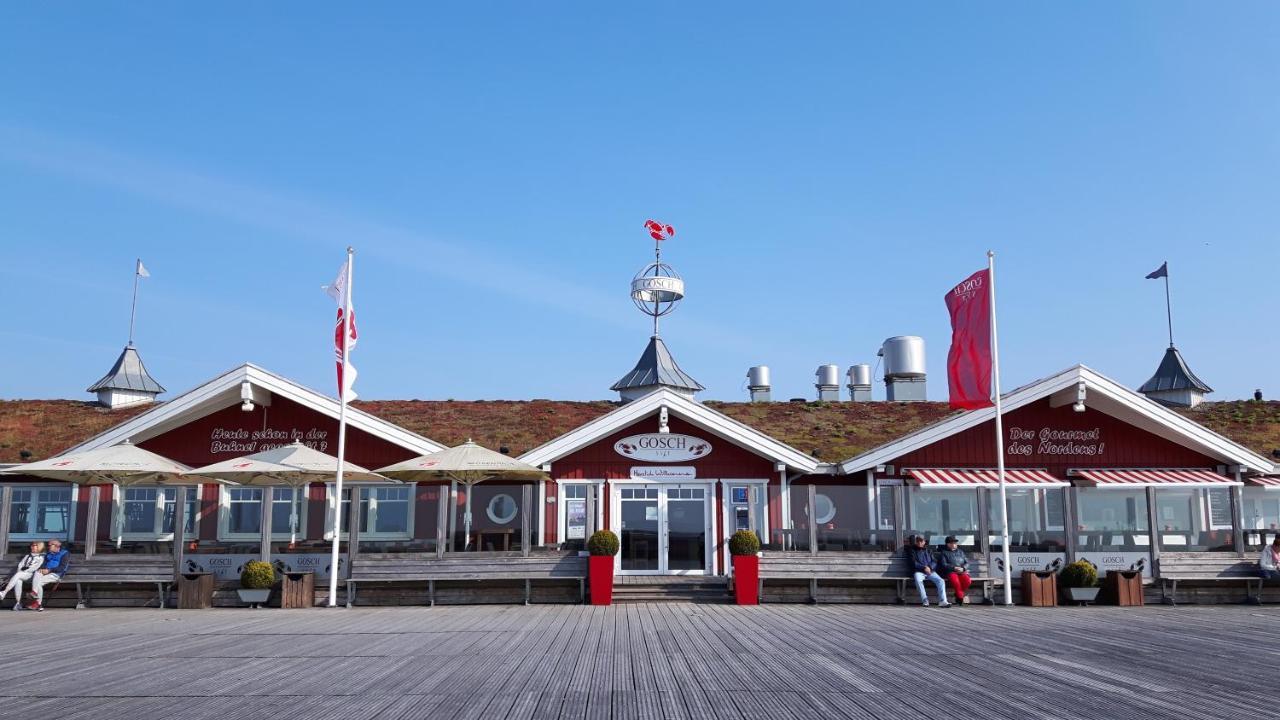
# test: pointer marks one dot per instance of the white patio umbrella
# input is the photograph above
(293, 465)
(468, 464)
(125, 465)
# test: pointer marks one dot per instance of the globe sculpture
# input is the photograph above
(657, 288)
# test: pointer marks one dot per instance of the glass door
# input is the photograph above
(686, 530)
(641, 529)
(663, 529)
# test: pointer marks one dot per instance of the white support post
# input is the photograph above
(342, 431)
(995, 378)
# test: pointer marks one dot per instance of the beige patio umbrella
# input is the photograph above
(125, 465)
(468, 464)
(294, 465)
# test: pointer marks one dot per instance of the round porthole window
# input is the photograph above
(824, 508)
(502, 509)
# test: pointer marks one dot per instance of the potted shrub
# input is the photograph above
(255, 582)
(1080, 579)
(744, 546)
(602, 546)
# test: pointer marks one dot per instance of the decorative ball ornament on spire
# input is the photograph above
(657, 288)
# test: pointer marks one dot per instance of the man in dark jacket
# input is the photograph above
(953, 566)
(56, 563)
(924, 564)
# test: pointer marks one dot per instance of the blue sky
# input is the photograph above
(831, 170)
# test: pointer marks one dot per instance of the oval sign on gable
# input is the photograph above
(662, 447)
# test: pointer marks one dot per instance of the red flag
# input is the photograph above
(338, 291)
(969, 361)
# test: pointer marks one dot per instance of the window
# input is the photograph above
(41, 512)
(1035, 519)
(385, 512)
(488, 516)
(148, 512)
(574, 525)
(1112, 519)
(1261, 511)
(937, 513)
(1194, 519)
(842, 515)
(242, 512)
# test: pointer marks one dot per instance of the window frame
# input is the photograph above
(34, 504)
(117, 507)
(224, 513)
(371, 519)
(562, 507)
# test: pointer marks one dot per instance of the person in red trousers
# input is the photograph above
(953, 566)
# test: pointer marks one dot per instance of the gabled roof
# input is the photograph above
(656, 367)
(127, 374)
(226, 389)
(689, 410)
(1103, 394)
(1173, 374)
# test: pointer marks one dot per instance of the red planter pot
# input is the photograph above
(746, 579)
(600, 575)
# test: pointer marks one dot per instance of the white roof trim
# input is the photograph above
(691, 411)
(1188, 432)
(207, 399)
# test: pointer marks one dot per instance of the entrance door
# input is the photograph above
(664, 529)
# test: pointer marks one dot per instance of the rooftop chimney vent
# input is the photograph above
(859, 382)
(758, 383)
(828, 383)
(904, 368)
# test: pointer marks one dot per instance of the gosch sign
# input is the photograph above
(663, 447)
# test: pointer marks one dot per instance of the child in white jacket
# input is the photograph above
(27, 568)
(1269, 562)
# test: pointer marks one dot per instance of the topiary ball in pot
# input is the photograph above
(1079, 574)
(603, 543)
(257, 575)
(744, 542)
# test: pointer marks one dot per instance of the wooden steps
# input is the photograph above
(688, 589)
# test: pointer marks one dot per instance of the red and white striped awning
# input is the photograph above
(1267, 482)
(981, 477)
(1153, 477)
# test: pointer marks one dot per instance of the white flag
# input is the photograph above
(338, 291)
(141, 270)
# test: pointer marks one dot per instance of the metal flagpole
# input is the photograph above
(133, 308)
(342, 432)
(1168, 306)
(995, 377)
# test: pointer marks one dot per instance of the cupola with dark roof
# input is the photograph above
(656, 368)
(127, 383)
(1174, 384)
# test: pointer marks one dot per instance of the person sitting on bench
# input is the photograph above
(923, 563)
(1269, 562)
(27, 567)
(55, 566)
(953, 566)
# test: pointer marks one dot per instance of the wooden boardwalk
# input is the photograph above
(648, 661)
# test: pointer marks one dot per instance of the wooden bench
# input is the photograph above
(122, 569)
(879, 566)
(472, 566)
(1207, 567)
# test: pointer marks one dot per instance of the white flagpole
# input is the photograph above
(995, 377)
(133, 308)
(342, 432)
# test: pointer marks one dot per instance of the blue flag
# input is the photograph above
(1162, 271)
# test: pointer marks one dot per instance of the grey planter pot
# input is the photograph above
(1083, 596)
(254, 597)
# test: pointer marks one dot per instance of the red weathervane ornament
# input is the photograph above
(658, 231)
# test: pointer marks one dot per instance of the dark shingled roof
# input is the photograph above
(1173, 374)
(127, 374)
(657, 367)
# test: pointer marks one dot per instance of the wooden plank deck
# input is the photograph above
(650, 661)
